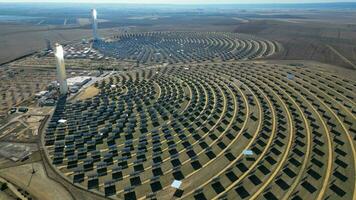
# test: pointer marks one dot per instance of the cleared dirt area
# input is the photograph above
(5, 196)
(88, 93)
(13, 127)
(38, 184)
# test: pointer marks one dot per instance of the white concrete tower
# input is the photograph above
(61, 70)
(95, 24)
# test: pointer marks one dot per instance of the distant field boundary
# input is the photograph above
(341, 56)
(18, 58)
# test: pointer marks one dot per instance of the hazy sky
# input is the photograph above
(183, 1)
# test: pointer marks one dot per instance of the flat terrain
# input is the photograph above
(321, 41)
(319, 33)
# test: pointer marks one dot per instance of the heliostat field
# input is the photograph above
(228, 130)
(185, 47)
(207, 101)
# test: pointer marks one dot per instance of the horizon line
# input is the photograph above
(135, 3)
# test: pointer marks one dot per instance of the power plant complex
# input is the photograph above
(200, 114)
(59, 55)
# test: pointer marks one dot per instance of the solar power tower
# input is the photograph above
(61, 71)
(95, 24)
